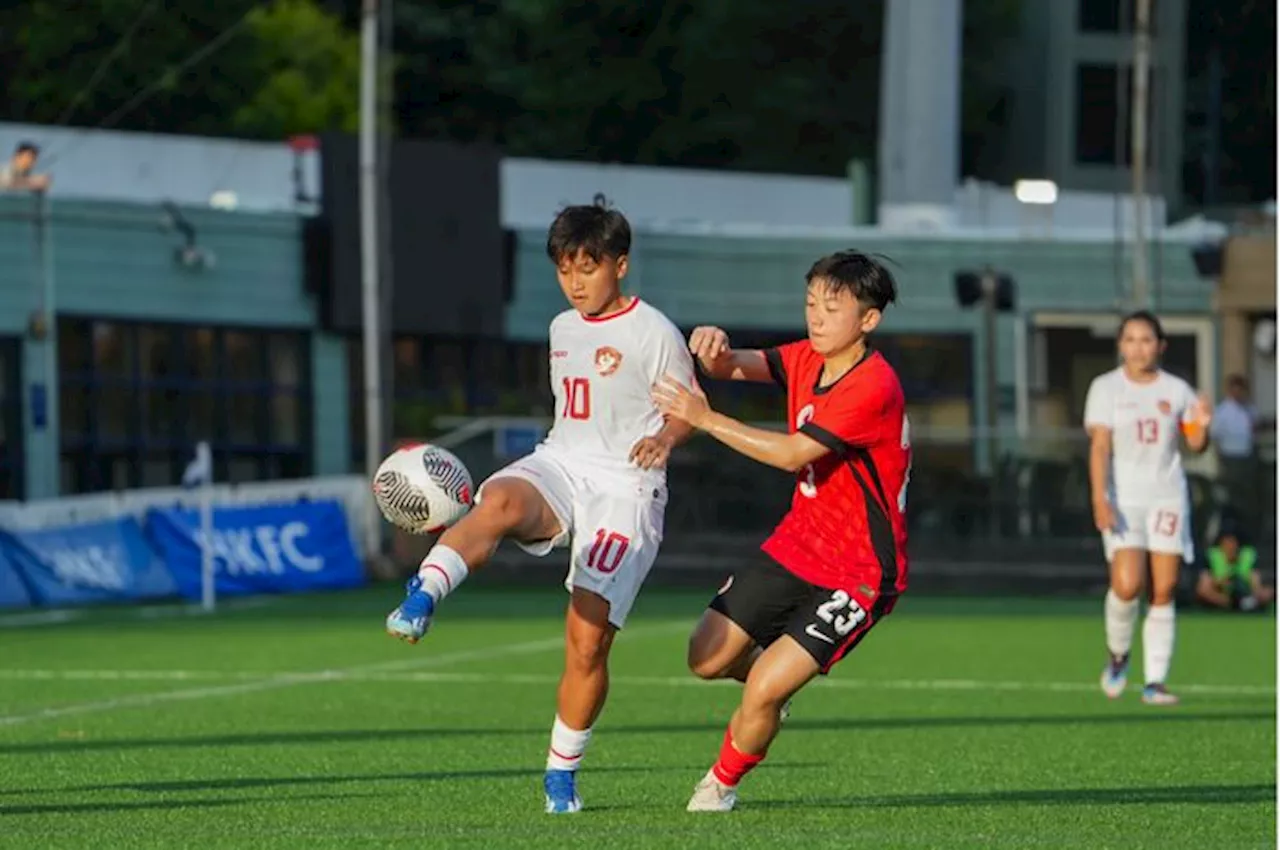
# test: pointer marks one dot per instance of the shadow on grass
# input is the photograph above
(1205, 794)
(275, 782)
(794, 725)
(145, 805)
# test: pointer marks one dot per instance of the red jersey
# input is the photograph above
(846, 529)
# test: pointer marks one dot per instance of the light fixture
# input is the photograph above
(224, 199)
(1264, 337)
(1036, 191)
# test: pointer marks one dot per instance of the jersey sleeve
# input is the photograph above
(783, 360)
(1188, 402)
(1099, 405)
(856, 417)
(671, 356)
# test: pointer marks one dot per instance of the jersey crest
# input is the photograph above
(607, 360)
(1164, 407)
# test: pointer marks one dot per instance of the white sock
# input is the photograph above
(1121, 618)
(1157, 643)
(442, 571)
(567, 746)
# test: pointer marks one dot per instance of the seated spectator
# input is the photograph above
(19, 174)
(1230, 580)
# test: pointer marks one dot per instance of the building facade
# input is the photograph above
(149, 355)
(1071, 81)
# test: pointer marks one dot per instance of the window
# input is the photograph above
(11, 466)
(1097, 111)
(136, 398)
(1099, 15)
(1104, 16)
(1103, 122)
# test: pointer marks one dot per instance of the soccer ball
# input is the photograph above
(422, 489)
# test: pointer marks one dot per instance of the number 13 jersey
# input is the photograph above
(1145, 424)
(602, 372)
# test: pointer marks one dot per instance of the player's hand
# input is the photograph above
(675, 399)
(651, 452)
(1202, 411)
(710, 345)
(1104, 515)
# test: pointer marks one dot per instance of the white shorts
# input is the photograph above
(1164, 528)
(611, 521)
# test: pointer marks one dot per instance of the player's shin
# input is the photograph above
(1157, 642)
(732, 763)
(567, 746)
(1121, 619)
(442, 571)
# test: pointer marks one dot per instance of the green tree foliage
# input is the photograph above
(748, 84)
(745, 83)
(302, 74)
(268, 69)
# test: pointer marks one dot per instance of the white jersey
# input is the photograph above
(1145, 422)
(602, 373)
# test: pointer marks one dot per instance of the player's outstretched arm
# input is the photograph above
(783, 451)
(710, 345)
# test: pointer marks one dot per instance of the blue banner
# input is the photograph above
(13, 592)
(92, 562)
(260, 549)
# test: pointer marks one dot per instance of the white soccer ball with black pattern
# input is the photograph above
(422, 489)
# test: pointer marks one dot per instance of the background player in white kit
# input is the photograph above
(1134, 415)
(597, 483)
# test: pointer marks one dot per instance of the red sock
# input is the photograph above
(732, 764)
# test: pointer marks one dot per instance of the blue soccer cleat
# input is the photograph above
(411, 620)
(562, 794)
(1115, 675)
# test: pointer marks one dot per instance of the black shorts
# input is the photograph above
(768, 601)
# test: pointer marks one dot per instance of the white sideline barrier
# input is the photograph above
(352, 491)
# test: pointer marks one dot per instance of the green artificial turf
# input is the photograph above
(297, 722)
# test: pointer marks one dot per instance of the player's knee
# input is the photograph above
(501, 507)
(762, 696)
(703, 663)
(586, 650)
(1162, 594)
(589, 635)
(1125, 588)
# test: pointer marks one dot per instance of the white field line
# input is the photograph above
(395, 672)
(274, 681)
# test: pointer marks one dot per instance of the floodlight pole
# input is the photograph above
(1138, 164)
(371, 304)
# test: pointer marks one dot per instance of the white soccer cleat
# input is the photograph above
(1115, 676)
(1157, 694)
(711, 795)
(784, 712)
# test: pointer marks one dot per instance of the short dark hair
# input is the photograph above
(593, 229)
(862, 275)
(27, 147)
(1143, 316)
(1238, 381)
